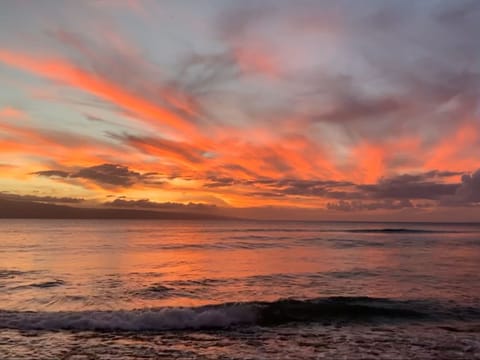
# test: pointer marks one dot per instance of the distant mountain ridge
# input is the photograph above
(10, 209)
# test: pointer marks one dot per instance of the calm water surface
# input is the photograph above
(238, 289)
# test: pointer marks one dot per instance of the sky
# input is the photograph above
(348, 110)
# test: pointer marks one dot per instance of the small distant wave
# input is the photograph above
(387, 230)
(352, 274)
(48, 284)
(260, 230)
(159, 288)
(42, 285)
(224, 316)
(399, 230)
(10, 274)
(247, 242)
(194, 288)
(156, 291)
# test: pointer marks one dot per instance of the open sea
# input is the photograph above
(116, 289)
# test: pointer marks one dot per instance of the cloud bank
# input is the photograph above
(346, 107)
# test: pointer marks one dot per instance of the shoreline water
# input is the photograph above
(238, 289)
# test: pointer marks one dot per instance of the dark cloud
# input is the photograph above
(470, 188)
(441, 174)
(401, 191)
(317, 188)
(358, 205)
(52, 173)
(109, 174)
(467, 193)
(410, 187)
(105, 174)
(217, 182)
(37, 198)
(288, 187)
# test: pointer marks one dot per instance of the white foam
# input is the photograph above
(136, 320)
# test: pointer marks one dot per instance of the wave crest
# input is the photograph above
(222, 315)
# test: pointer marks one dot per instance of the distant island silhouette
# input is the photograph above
(10, 209)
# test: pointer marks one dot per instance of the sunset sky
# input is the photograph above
(364, 109)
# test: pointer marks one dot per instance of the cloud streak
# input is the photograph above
(61, 70)
(350, 108)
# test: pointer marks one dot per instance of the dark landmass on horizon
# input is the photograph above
(27, 209)
(36, 210)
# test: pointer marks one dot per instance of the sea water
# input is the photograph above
(117, 289)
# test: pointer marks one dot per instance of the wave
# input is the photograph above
(41, 285)
(419, 228)
(222, 316)
(228, 315)
(47, 284)
(400, 230)
(337, 230)
(10, 274)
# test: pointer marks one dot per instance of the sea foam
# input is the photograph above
(345, 309)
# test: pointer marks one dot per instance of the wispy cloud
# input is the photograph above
(346, 106)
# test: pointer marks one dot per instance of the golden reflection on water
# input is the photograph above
(143, 264)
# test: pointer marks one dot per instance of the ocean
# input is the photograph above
(118, 289)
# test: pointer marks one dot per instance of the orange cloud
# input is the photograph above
(242, 154)
(370, 161)
(178, 152)
(458, 151)
(11, 113)
(65, 148)
(61, 70)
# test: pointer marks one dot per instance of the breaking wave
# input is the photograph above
(224, 316)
